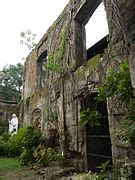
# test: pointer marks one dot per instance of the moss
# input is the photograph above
(27, 100)
(93, 62)
(90, 65)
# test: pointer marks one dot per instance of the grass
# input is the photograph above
(10, 169)
(9, 164)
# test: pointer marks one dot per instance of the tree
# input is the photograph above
(11, 82)
(28, 38)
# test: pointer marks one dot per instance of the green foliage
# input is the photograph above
(103, 174)
(103, 167)
(6, 136)
(26, 157)
(16, 143)
(63, 40)
(27, 100)
(11, 82)
(88, 66)
(117, 83)
(125, 130)
(93, 62)
(56, 65)
(4, 145)
(31, 138)
(90, 117)
(52, 65)
(48, 156)
(52, 115)
(126, 170)
(30, 141)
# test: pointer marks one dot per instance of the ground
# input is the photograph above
(10, 169)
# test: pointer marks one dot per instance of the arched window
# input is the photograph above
(41, 70)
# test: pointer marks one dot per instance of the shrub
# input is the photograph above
(4, 144)
(32, 137)
(47, 156)
(30, 141)
(16, 143)
(26, 157)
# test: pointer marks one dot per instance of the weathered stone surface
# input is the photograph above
(7, 108)
(62, 92)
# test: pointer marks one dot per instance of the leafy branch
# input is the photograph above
(90, 117)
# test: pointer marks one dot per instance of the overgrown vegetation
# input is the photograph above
(88, 66)
(30, 147)
(11, 82)
(90, 117)
(57, 65)
(118, 84)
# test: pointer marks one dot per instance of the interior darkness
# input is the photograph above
(97, 48)
(98, 137)
(41, 68)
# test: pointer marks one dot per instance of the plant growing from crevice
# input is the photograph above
(118, 84)
(57, 65)
(27, 101)
(52, 65)
(52, 115)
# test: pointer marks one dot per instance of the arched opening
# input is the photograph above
(98, 142)
(41, 70)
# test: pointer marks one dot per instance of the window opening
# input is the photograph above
(41, 69)
(97, 26)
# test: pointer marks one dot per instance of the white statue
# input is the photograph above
(13, 124)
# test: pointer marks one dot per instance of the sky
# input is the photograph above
(37, 15)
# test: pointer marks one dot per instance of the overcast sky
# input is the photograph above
(37, 15)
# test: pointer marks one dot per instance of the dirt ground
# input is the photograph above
(10, 169)
(23, 174)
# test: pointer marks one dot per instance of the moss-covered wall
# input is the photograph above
(68, 76)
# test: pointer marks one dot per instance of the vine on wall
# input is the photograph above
(57, 65)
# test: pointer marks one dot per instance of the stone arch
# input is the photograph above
(41, 71)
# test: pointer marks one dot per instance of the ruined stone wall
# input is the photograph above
(7, 108)
(121, 23)
(54, 105)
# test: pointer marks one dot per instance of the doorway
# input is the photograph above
(98, 142)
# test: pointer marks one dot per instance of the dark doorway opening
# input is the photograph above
(41, 70)
(97, 137)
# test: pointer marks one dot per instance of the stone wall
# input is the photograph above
(52, 97)
(7, 108)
